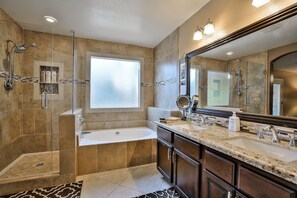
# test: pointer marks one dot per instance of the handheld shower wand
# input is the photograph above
(9, 82)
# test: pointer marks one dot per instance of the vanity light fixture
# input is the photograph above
(208, 29)
(50, 19)
(198, 35)
(259, 3)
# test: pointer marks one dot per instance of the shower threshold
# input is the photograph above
(31, 166)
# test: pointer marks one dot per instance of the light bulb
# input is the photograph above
(259, 3)
(209, 28)
(50, 19)
(198, 35)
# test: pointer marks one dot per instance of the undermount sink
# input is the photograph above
(276, 152)
(191, 127)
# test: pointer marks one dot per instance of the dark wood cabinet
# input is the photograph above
(200, 171)
(223, 168)
(214, 187)
(186, 175)
(164, 163)
(188, 147)
(256, 185)
(240, 195)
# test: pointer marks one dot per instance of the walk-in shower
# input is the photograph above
(15, 49)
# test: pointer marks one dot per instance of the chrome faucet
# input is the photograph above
(292, 142)
(201, 119)
(274, 132)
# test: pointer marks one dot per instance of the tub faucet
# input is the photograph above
(274, 132)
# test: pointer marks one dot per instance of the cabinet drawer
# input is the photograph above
(256, 185)
(165, 134)
(220, 166)
(188, 147)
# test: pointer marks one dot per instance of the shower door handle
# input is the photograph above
(44, 100)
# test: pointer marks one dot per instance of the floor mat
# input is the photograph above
(167, 193)
(71, 190)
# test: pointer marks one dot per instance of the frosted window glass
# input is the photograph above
(114, 83)
(217, 88)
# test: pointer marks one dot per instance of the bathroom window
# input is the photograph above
(114, 83)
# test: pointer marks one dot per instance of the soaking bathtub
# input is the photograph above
(110, 149)
(108, 136)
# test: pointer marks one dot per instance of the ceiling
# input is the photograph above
(277, 35)
(139, 22)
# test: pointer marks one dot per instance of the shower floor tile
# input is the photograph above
(31, 165)
(127, 182)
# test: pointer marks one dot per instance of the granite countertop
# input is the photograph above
(215, 137)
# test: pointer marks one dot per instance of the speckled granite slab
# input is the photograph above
(215, 137)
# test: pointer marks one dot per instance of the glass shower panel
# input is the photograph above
(29, 139)
(77, 82)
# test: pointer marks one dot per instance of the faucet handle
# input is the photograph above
(260, 133)
(292, 142)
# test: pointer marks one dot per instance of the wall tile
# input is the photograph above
(87, 159)
(111, 156)
(139, 152)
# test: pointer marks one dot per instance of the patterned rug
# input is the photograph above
(71, 190)
(167, 193)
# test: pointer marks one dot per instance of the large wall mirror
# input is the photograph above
(256, 73)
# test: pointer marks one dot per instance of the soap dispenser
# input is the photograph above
(234, 123)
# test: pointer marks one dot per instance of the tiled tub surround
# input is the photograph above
(215, 137)
(111, 156)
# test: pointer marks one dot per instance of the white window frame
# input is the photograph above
(88, 76)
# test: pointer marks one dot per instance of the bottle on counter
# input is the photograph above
(234, 123)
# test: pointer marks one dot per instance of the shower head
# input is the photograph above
(23, 48)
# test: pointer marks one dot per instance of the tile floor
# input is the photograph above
(31, 165)
(122, 183)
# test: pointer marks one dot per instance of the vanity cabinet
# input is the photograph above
(214, 187)
(186, 174)
(164, 163)
(256, 185)
(199, 171)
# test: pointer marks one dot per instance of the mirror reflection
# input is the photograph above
(255, 73)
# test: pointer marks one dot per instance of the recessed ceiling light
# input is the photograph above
(229, 53)
(259, 3)
(50, 19)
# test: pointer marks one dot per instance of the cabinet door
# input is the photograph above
(186, 175)
(255, 185)
(164, 163)
(240, 195)
(214, 187)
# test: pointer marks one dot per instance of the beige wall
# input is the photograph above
(228, 16)
(290, 92)
(10, 101)
(166, 68)
(122, 119)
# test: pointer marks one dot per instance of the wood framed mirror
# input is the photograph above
(247, 71)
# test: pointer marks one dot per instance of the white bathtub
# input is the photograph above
(108, 136)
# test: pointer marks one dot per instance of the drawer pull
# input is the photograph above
(174, 157)
(229, 194)
(169, 154)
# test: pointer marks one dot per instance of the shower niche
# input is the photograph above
(49, 74)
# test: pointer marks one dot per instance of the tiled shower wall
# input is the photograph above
(166, 68)
(41, 128)
(10, 101)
